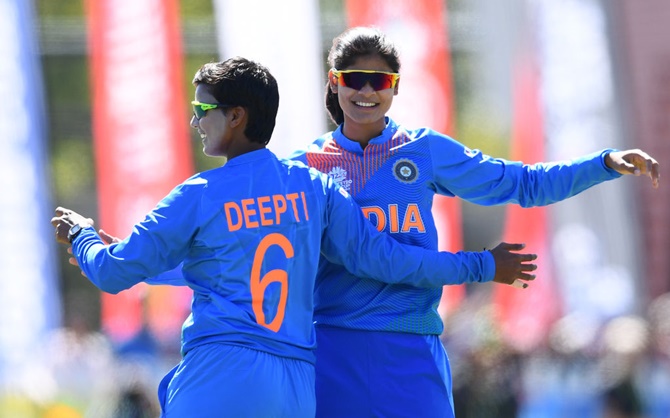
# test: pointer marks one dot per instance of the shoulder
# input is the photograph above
(297, 166)
(189, 189)
(411, 134)
(320, 144)
(205, 181)
(292, 164)
(202, 179)
(426, 137)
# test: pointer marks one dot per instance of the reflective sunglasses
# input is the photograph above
(357, 79)
(200, 109)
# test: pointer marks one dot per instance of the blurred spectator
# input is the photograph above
(81, 361)
(561, 380)
(624, 342)
(652, 374)
(136, 402)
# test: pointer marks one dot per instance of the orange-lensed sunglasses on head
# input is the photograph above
(357, 79)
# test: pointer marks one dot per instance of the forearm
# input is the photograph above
(445, 268)
(106, 271)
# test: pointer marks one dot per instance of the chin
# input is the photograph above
(213, 153)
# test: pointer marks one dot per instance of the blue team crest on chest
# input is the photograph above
(340, 175)
(405, 171)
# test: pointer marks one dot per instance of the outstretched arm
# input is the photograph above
(174, 277)
(351, 240)
(488, 181)
(635, 162)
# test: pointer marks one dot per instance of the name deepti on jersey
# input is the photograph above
(255, 212)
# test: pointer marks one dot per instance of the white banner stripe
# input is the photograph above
(28, 285)
(285, 37)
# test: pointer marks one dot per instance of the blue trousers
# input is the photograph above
(381, 374)
(221, 380)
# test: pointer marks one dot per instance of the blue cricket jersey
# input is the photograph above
(249, 236)
(394, 180)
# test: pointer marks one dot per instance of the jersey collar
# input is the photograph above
(353, 146)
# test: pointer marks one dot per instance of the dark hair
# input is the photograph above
(350, 45)
(242, 82)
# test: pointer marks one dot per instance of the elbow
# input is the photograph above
(109, 282)
(111, 288)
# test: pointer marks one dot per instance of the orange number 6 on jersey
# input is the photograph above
(259, 284)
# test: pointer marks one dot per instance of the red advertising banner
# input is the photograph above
(526, 315)
(418, 29)
(646, 73)
(140, 129)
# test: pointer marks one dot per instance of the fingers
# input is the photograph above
(653, 171)
(510, 246)
(60, 211)
(655, 176)
(73, 261)
(57, 220)
(519, 284)
(628, 168)
(513, 268)
(527, 268)
(638, 163)
(525, 276)
(642, 161)
(646, 165)
(107, 238)
(527, 257)
(520, 281)
(59, 231)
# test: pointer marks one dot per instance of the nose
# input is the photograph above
(367, 89)
(194, 122)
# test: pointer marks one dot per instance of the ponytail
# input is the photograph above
(333, 106)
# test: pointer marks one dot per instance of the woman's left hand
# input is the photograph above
(635, 162)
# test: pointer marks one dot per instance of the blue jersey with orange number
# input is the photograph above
(394, 180)
(249, 236)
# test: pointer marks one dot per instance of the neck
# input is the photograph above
(363, 133)
(245, 147)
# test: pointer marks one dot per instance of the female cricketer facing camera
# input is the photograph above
(378, 347)
(249, 236)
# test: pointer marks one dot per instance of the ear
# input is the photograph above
(237, 115)
(332, 82)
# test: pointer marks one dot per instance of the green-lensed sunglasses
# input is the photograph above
(200, 109)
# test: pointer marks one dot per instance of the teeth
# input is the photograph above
(364, 104)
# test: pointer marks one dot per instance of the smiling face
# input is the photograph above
(365, 109)
(213, 127)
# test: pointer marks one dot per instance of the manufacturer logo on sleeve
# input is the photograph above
(339, 175)
(405, 171)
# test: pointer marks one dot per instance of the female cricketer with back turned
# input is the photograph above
(249, 236)
(378, 347)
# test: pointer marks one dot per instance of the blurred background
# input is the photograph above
(95, 114)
